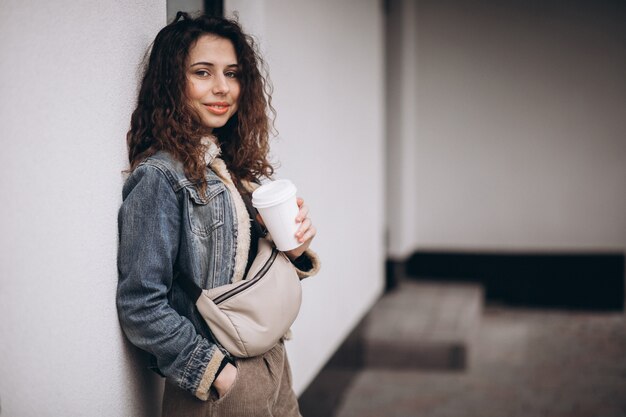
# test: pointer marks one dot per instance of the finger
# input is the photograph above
(304, 211)
(304, 226)
(308, 235)
(300, 201)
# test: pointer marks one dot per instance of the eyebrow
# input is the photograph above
(210, 64)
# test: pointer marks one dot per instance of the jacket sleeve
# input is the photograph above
(307, 264)
(149, 230)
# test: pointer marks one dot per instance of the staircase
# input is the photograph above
(423, 325)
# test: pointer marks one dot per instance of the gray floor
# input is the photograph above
(519, 362)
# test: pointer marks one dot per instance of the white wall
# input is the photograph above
(67, 86)
(519, 125)
(326, 62)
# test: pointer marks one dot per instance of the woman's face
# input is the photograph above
(213, 86)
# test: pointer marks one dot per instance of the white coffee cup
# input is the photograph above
(276, 202)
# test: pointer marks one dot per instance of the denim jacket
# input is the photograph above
(166, 228)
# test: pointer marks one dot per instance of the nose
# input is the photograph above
(220, 85)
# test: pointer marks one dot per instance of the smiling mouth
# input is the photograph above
(217, 108)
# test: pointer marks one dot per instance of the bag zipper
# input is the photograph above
(258, 276)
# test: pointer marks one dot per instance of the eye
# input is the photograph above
(232, 74)
(202, 73)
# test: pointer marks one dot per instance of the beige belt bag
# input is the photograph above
(250, 316)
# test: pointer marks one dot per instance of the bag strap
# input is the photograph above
(194, 291)
(256, 230)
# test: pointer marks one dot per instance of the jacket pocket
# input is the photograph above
(206, 212)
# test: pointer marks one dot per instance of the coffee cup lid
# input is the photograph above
(273, 193)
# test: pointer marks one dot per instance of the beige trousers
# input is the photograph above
(262, 389)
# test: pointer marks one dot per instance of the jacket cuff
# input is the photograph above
(311, 260)
(210, 373)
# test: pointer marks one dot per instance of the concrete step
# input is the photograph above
(423, 325)
(419, 325)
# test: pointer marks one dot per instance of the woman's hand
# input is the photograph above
(225, 380)
(305, 233)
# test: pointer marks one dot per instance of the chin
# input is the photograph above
(214, 124)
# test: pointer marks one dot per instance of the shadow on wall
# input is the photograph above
(141, 381)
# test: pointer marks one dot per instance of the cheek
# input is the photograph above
(193, 91)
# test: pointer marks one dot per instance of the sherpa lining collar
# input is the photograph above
(239, 207)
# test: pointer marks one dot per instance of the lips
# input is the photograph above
(217, 108)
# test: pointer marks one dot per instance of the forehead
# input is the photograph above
(213, 49)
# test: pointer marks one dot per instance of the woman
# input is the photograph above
(198, 145)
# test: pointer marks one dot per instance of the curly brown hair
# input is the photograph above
(164, 119)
